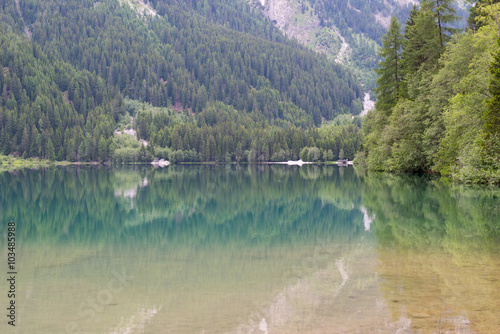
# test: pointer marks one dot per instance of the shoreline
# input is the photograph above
(11, 163)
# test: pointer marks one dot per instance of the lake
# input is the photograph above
(249, 249)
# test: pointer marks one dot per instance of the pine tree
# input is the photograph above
(142, 154)
(389, 70)
(50, 151)
(445, 14)
(410, 22)
(25, 142)
(103, 149)
(421, 47)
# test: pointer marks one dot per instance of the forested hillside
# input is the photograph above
(185, 59)
(222, 134)
(347, 31)
(36, 117)
(184, 56)
(438, 92)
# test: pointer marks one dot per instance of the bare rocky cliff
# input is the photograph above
(298, 20)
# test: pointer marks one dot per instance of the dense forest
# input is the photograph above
(221, 134)
(216, 81)
(438, 92)
(36, 118)
(68, 65)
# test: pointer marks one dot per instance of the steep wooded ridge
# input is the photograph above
(192, 64)
(438, 106)
(348, 31)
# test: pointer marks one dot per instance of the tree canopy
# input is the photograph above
(446, 119)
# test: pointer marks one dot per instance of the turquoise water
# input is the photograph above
(249, 249)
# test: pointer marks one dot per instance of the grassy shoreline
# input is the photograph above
(13, 163)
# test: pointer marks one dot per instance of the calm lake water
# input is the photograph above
(249, 249)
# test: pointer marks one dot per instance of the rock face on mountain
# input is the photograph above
(313, 26)
(304, 21)
(286, 15)
(348, 31)
(299, 20)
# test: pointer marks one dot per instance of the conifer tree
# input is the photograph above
(102, 149)
(50, 151)
(421, 45)
(389, 70)
(445, 14)
(410, 22)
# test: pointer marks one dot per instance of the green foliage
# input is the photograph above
(389, 70)
(445, 14)
(309, 154)
(39, 117)
(193, 65)
(441, 124)
(363, 59)
(50, 151)
(221, 134)
(123, 141)
(421, 48)
(482, 12)
(491, 115)
(181, 58)
(102, 149)
(125, 155)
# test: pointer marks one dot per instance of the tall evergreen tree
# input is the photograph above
(445, 14)
(50, 151)
(421, 46)
(410, 22)
(102, 149)
(389, 70)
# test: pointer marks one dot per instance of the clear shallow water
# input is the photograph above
(254, 249)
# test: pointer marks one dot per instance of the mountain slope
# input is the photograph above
(39, 113)
(189, 57)
(180, 56)
(348, 31)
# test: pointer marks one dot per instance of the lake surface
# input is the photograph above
(249, 249)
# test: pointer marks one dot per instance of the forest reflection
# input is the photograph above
(251, 203)
(302, 248)
(439, 252)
